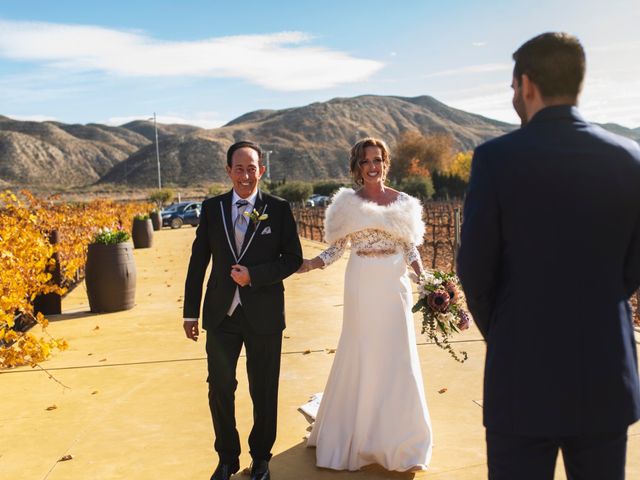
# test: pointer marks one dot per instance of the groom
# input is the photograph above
(251, 239)
(550, 255)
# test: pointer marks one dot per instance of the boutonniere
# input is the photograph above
(256, 216)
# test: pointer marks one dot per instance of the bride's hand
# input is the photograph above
(414, 277)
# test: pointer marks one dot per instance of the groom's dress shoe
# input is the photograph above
(224, 471)
(260, 470)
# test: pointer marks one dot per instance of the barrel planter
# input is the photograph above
(156, 220)
(110, 277)
(142, 233)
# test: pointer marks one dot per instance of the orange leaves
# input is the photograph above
(27, 264)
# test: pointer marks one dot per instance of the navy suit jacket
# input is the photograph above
(272, 253)
(549, 256)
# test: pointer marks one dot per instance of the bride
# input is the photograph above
(373, 409)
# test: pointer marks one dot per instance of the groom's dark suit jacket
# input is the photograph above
(550, 254)
(272, 254)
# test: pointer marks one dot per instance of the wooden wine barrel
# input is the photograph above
(156, 220)
(110, 277)
(142, 233)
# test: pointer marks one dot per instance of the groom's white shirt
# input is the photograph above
(234, 213)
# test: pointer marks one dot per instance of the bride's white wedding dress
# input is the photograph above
(373, 409)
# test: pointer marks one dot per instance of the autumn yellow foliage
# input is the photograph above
(461, 165)
(26, 262)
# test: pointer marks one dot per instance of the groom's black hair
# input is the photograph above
(243, 144)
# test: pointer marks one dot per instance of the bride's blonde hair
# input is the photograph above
(357, 154)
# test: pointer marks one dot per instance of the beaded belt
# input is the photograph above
(376, 253)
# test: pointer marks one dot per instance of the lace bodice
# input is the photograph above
(373, 242)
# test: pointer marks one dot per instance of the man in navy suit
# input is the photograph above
(252, 240)
(549, 257)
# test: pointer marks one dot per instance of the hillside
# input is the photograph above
(51, 153)
(307, 142)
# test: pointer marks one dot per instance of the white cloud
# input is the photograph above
(479, 44)
(32, 118)
(279, 61)
(472, 69)
(198, 119)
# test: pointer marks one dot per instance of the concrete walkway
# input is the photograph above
(136, 403)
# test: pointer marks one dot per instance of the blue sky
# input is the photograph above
(207, 62)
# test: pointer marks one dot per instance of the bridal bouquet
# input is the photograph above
(443, 310)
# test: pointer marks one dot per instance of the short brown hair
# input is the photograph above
(554, 61)
(357, 154)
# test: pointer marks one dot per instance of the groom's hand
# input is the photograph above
(240, 275)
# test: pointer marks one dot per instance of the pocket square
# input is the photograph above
(266, 231)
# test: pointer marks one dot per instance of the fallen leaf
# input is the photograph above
(51, 407)
(89, 354)
(103, 360)
(306, 352)
(94, 392)
(331, 350)
(97, 327)
(287, 336)
(65, 458)
(442, 390)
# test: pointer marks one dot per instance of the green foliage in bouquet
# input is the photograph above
(443, 310)
(111, 237)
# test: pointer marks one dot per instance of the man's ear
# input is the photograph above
(529, 89)
(262, 169)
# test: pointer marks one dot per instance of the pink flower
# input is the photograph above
(438, 301)
(465, 320)
(452, 290)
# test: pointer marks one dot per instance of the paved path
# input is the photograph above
(136, 409)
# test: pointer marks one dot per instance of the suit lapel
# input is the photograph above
(228, 224)
(259, 205)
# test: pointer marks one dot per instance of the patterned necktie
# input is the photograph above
(240, 225)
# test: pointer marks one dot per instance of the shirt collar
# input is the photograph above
(557, 112)
(251, 199)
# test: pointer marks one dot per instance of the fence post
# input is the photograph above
(51, 303)
(456, 236)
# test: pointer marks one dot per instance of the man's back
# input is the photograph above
(561, 357)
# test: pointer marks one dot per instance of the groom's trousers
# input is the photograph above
(597, 456)
(263, 370)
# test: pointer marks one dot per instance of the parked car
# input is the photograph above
(317, 200)
(178, 214)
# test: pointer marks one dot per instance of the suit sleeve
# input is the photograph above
(478, 262)
(290, 257)
(198, 263)
(632, 262)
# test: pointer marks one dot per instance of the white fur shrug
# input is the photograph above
(349, 213)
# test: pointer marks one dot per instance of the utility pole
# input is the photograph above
(155, 127)
(268, 153)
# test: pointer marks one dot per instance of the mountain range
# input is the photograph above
(310, 142)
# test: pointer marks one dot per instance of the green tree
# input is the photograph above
(295, 192)
(161, 197)
(420, 187)
(327, 187)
